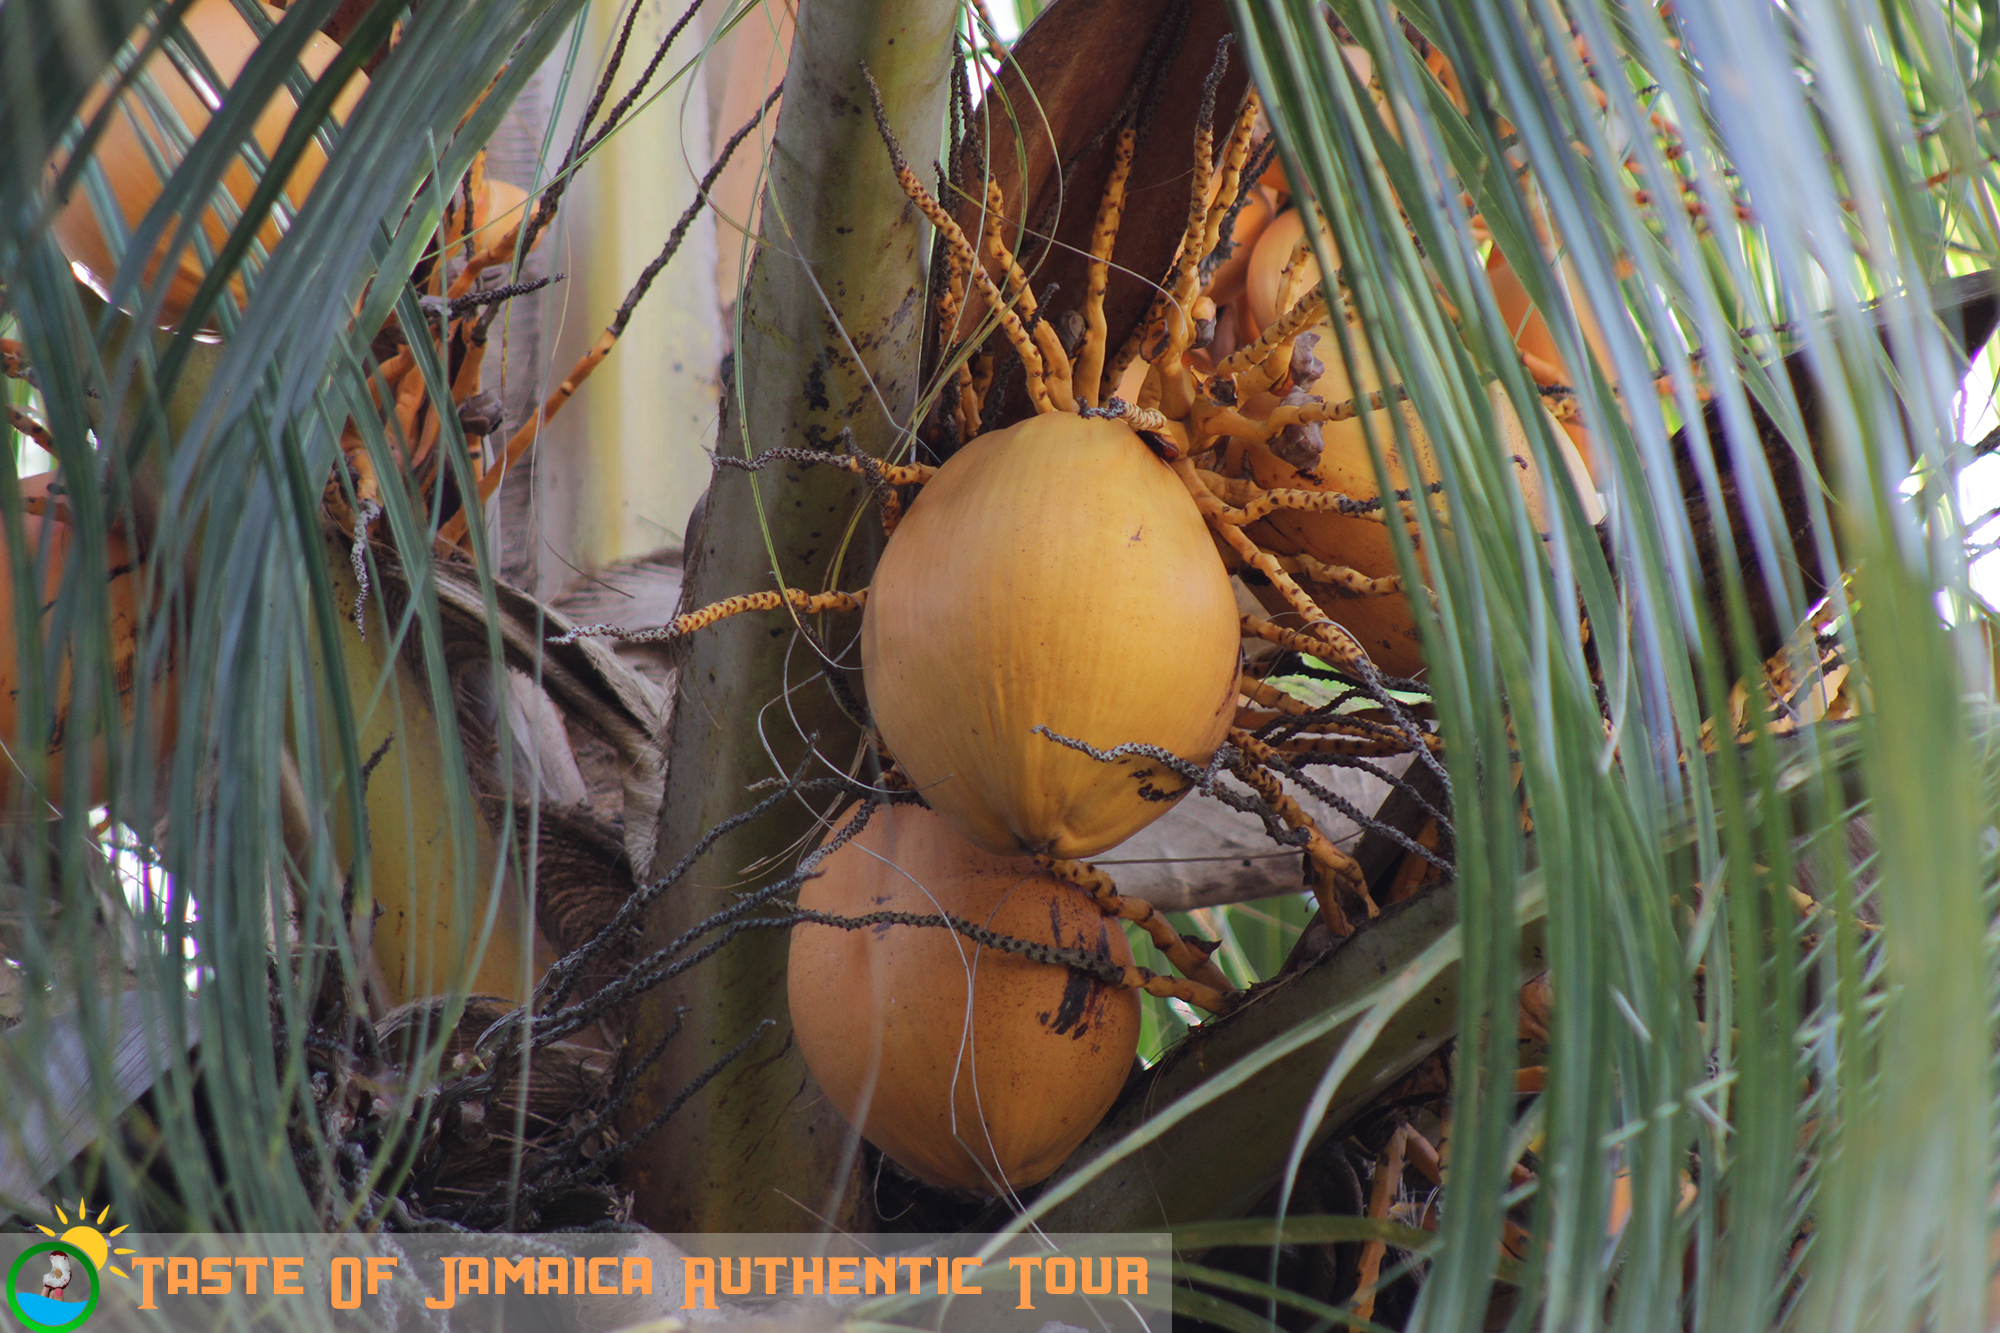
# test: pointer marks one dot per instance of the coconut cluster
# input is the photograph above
(1051, 648)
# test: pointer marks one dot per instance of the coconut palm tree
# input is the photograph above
(1712, 774)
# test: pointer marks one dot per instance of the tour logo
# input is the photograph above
(52, 1287)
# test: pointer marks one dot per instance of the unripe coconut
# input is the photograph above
(132, 135)
(1531, 331)
(48, 540)
(965, 1086)
(1384, 625)
(1053, 574)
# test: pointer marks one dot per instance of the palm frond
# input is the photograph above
(216, 456)
(1692, 999)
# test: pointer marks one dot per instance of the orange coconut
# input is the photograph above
(1266, 272)
(133, 135)
(504, 204)
(1274, 283)
(501, 211)
(1226, 283)
(1531, 331)
(1363, 65)
(1384, 625)
(1055, 574)
(48, 539)
(971, 1066)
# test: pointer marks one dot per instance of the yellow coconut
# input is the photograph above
(132, 136)
(49, 542)
(1384, 625)
(971, 1066)
(1055, 574)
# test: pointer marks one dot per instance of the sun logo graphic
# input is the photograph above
(52, 1287)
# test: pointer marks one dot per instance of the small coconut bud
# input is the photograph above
(1299, 445)
(1204, 321)
(1072, 329)
(1306, 368)
(480, 414)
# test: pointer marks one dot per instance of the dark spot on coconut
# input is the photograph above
(1075, 1005)
(1074, 1009)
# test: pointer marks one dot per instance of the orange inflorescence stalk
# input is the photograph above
(1343, 580)
(1309, 642)
(409, 403)
(1265, 503)
(1334, 868)
(1223, 421)
(1321, 736)
(1000, 260)
(1310, 310)
(30, 427)
(472, 205)
(1174, 302)
(367, 489)
(1179, 988)
(524, 437)
(950, 302)
(1192, 960)
(800, 601)
(1271, 697)
(1388, 1179)
(1204, 230)
(954, 236)
(1110, 212)
(1234, 155)
(1314, 743)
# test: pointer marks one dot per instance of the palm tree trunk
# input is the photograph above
(827, 340)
